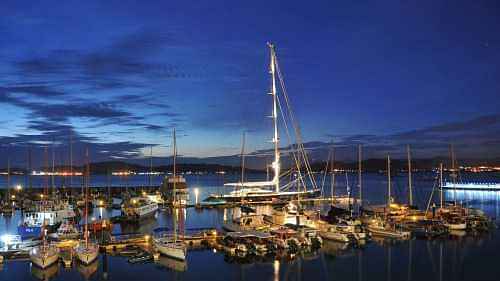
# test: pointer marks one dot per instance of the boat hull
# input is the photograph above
(43, 260)
(172, 250)
(87, 255)
(269, 196)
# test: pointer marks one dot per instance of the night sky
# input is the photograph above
(116, 76)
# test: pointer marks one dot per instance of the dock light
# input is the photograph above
(146, 237)
(13, 196)
(19, 187)
(196, 193)
(144, 193)
(101, 202)
(134, 201)
(41, 196)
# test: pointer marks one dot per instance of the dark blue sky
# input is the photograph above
(117, 75)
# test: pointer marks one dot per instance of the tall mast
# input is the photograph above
(332, 180)
(46, 170)
(243, 157)
(388, 182)
(53, 184)
(441, 184)
(360, 177)
(276, 163)
(410, 187)
(87, 176)
(71, 159)
(8, 176)
(151, 166)
(175, 213)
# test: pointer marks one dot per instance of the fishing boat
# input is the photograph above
(87, 251)
(272, 189)
(173, 246)
(49, 214)
(44, 255)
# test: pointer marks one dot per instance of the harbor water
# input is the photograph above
(460, 257)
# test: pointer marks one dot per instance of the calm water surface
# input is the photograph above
(459, 258)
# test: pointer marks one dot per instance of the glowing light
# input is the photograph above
(13, 196)
(19, 187)
(146, 237)
(196, 193)
(134, 201)
(41, 196)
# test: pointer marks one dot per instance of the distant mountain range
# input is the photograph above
(368, 165)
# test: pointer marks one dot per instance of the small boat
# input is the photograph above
(141, 258)
(171, 247)
(87, 252)
(336, 233)
(379, 227)
(44, 255)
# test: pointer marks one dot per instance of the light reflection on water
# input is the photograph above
(458, 258)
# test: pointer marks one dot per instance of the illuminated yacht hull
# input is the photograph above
(254, 194)
(472, 186)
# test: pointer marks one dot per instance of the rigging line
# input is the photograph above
(295, 125)
(325, 172)
(287, 131)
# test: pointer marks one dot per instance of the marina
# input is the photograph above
(249, 141)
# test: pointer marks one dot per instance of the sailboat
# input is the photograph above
(87, 251)
(45, 254)
(172, 246)
(268, 190)
(383, 226)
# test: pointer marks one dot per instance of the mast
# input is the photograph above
(175, 213)
(71, 160)
(332, 181)
(53, 186)
(46, 170)
(274, 116)
(87, 175)
(151, 166)
(360, 177)
(410, 188)
(243, 137)
(389, 182)
(8, 177)
(441, 184)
